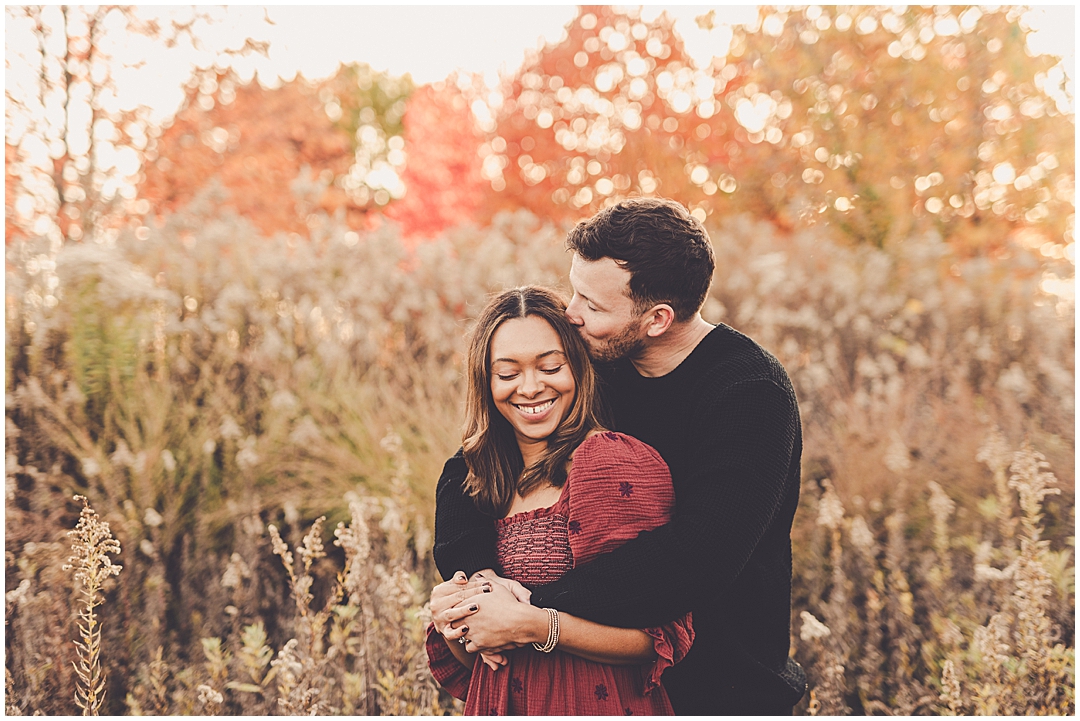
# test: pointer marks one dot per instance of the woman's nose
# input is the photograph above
(531, 384)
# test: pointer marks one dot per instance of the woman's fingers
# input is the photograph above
(454, 634)
(442, 601)
(451, 615)
(495, 661)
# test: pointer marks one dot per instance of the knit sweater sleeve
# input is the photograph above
(464, 535)
(725, 501)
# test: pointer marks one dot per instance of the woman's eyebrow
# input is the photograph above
(545, 354)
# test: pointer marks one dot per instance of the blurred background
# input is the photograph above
(244, 246)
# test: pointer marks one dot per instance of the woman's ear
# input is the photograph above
(658, 319)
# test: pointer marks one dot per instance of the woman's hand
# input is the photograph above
(487, 575)
(448, 603)
(499, 622)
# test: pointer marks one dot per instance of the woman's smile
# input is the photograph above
(535, 409)
(532, 385)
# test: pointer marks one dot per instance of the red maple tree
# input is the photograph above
(254, 141)
(442, 168)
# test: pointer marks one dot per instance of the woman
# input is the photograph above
(562, 490)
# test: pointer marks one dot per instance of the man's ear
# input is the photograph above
(658, 319)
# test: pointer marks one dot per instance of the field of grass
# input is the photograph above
(260, 423)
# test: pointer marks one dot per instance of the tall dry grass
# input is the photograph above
(201, 384)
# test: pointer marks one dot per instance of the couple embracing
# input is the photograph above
(616, 527)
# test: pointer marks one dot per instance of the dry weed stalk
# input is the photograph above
(870, 679)
(301, 660)
(941, 508)
(830, 692)
(827, 697)
(995, 453)
(313, 350)
(1046, 673)
(92, 542)
(951, 695)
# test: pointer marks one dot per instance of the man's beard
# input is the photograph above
(623, 344)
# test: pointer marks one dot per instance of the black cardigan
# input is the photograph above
(727, 422)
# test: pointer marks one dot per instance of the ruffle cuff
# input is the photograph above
(671, 642)
(444, 665)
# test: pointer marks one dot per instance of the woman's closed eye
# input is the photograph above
(553, 370)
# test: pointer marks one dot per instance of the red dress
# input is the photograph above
(617, 488)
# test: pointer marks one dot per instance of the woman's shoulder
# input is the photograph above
(613, 448)
(613, 441)
(617, 488)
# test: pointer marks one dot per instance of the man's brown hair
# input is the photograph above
(667, 251)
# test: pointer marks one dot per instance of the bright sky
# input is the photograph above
(429, 42)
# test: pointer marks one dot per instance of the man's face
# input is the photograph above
(602, 310)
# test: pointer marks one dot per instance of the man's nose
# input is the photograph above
(571, 312)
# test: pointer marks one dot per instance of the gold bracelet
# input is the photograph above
(553, 633)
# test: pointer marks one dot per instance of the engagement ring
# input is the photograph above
(463, 640)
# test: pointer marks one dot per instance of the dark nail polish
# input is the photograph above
(464, 630)
(487, 589)
(474, 607)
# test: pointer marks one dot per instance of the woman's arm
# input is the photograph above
(500, 618)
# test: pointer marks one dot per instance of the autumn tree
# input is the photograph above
(75, 150)
(890, 121)
(443, 186)
(616, 108)
(882, 122)
(78, 145)
(340, 138)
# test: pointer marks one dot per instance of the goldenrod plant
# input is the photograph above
(92, 542)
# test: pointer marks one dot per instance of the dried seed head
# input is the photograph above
(311, 549)
(861, 536)
(830, 508)
(897, 456)
(812, 629)
(1031, 479)
(208, 695)
(92, 542)
(941, 506)
(279, 547)
(994, 451)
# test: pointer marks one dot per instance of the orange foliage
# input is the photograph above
(255, 141)
(11, 185)
(882, 123)
(888, 122)
(442, 172)
(597, 116)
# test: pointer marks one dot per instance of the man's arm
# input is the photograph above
(464, 536)
(736, 481)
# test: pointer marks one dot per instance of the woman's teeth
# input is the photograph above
(538, 409)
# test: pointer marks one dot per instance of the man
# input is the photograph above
(722, 412)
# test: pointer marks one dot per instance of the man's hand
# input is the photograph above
(485, 579)
(499, 621)
(450, 602)
(520, 592)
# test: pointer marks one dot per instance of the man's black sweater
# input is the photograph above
(727, 422)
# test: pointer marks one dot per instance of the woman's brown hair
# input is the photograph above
(496, 468)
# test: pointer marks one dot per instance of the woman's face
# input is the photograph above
(531, 381)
